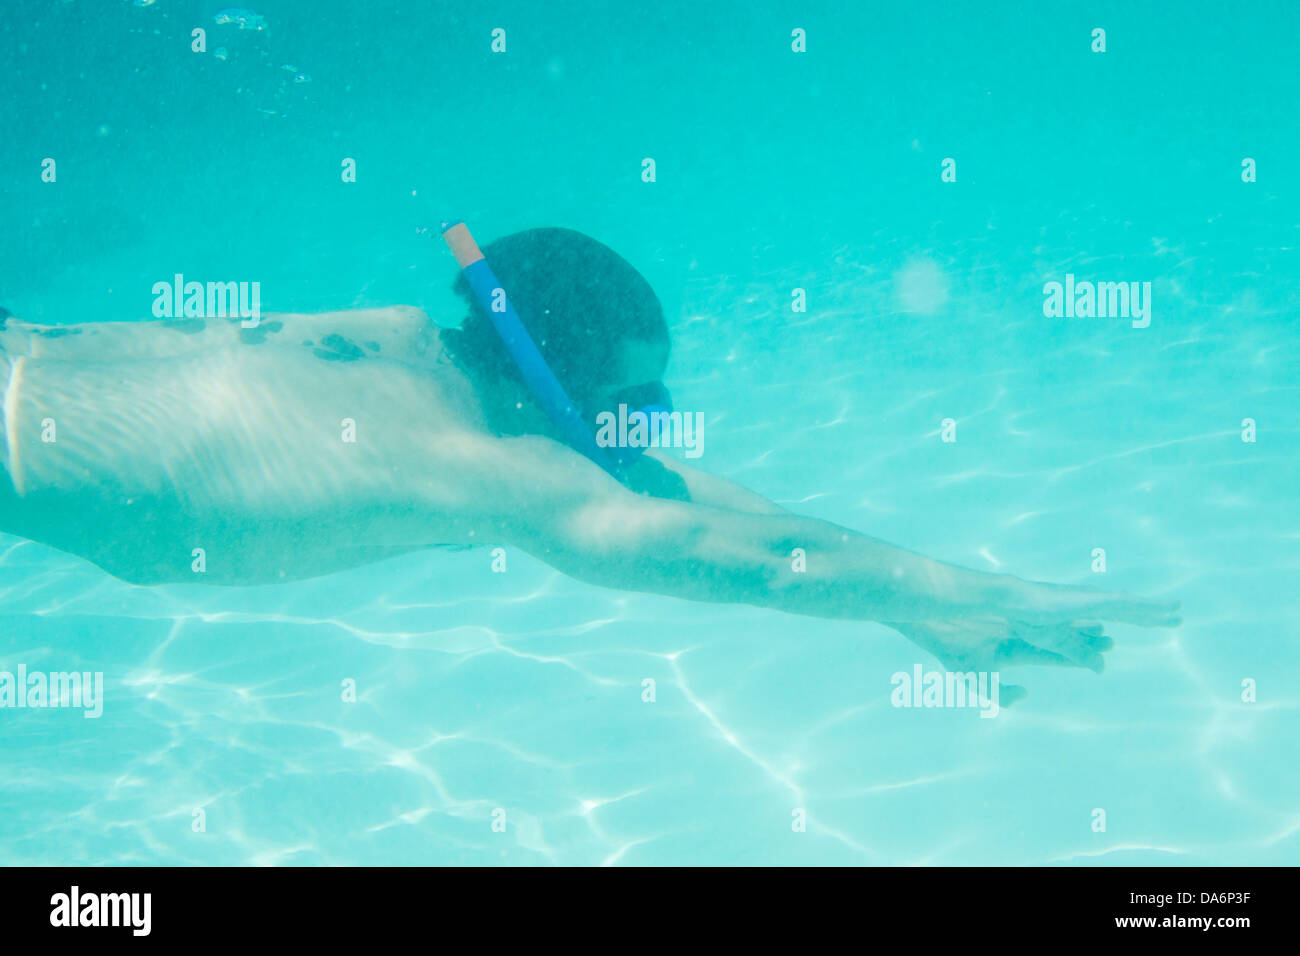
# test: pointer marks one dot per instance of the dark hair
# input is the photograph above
(579, 300)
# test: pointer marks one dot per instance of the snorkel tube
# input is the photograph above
(541, 381)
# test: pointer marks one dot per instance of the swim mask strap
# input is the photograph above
(541, 381)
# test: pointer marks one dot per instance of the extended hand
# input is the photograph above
(991, 643)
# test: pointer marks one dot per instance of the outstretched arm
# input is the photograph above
(597, 531)
(961, 643)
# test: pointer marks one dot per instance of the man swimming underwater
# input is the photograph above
(132, 444)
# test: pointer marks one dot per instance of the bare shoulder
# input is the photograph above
(399, 333)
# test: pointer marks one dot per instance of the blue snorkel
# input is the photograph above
(537, 375)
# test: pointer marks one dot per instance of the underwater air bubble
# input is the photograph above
(244, 19)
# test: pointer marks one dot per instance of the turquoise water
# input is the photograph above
(775, 170)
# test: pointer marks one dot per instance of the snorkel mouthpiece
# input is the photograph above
(539, 378)
(649, 400)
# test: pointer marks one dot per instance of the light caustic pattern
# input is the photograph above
(523, 692)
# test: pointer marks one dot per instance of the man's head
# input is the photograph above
(594, 318)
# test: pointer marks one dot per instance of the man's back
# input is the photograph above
(297, 447)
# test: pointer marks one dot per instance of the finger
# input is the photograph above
(1134, 610)
(1015, 651)
(1049, 604)
(1083, 644)
(1096, 636)
(1085, 649)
